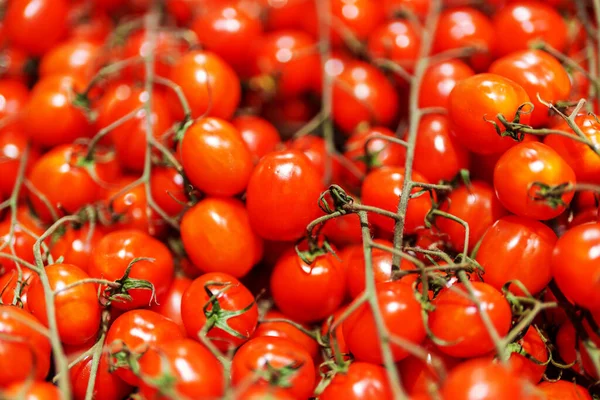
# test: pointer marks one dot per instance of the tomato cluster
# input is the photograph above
(299, 199)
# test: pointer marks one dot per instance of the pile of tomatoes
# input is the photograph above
(296, 199)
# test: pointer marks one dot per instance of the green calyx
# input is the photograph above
(120, 291)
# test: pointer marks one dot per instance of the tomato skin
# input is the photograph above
(36, 26)
(8, 286)
(236, 298)
(197, 372)
(362, 93)
(315, 148)
(15, 61)
(338, 333)
(308, 292)
(563, 390)
(21, 240)
(439, 80)
(362, 19)
(534, 162)
(192, 72)
(206, 232)
(167, 189)
(215, 158)
(579, 156)
(485, 95)
(73, 57)
(533, 344)
(417, 7)
(14, 95)
(260, 135)
(517, 248)
(383, 188)
(168, 47)
(344, 230)
(283, 212)
(33, 352)
(438, 154)
(278, 352)
(77, 309)
(483, 376)
(49, 117)
(362, 380)
(114, 252)
(12, 146)
(140, 330)
(170, 305)
(575, 247)
(34, 391)
(258, 391)
(73, 246)
(451, 307)
(397, 40)
(567, 344)
(539, 74)
(286, 331)
(519, 24)
(401, 314)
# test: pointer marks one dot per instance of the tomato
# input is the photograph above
(578, 247)
(567, 345)
(586, 351)
(563, 390)
(258, 391)
(170, 304)
(469, 338)
(338, 333)
(359, 17)
(539, 74)
(108, 386)
(521, 23)
(94, 27)
(308, 292)
(519, 168)
(290, 114)
(36, 25)
(517, 248)
(579, 156)
(492, 380)
(209, 84)
(430, 239)
(401, 314)
(140, 332)
(461, 27)
(477, 205)
(167, 189)
(49, 117)
(113, 254)
(315, 148)
(397, 40)
(195, 371)
(439, 80)
(281, 362)
(74, 57)
(12, 146)
(167, 48)
(206, 232)
(362, 93)
(286, 331)
(485, 96)
(260, 135)
(30, 347)
(361, 380)
(533, 345)
(227, 328)
(228, 30)
(14, 96)
(438, 154)
(383, 188)
(215, 158)
(282, 212)
(33, 391)
(183, 10)
(22, 237)
(75, 245)
(417, 7)
(9, 287)
(344, 230)
(14, 64)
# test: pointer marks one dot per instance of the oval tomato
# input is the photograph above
(286, 331)
(439, 80)
(397, 40)
(260, 135)
(563, 390)
(362, 380)
(170, 304)
(34, 391)
(75, 245)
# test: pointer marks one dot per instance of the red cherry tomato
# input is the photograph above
(286, 331)
(167, 189)
(315, 149)
(12, 147)
(14, 96)
(170, 304)
(417, 7)
(260, 135)
(74, 57)
(533, 345)
(11, 291)
(439, 80)
(34, 391)
(361, 380)
(344, 230)
(397, 40)
(360, 17)
(20, 238)
(168, 47)
(75, 245)
(563, 390)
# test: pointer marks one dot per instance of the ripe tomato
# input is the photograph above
(281, 363)
(22, 237)
(476, 204)
(167, 48)
(114, 253)
(286, 331)
(75, 245)
(30, 347)
(579, 156)
(567, 345)
(259, 391)
(215, 158)
(485, 96)
(77, 309)
(170, 304)
(282, 212)
(401, 314)
(361, 380)
(533, 345)
(563, 390)
(439, 80)
(12, 147)
(206, 232)
(308, 292)
(209, 84)
(74, 57)
(438, 155)
(587, 353)
(194, 372)
(461, 27)
(260, 135)
(578, 247)
(167, 189)
(397, 40)
(14, 64)
(14, 96)
(338, 333)
(519, 168)
(138, 332)
(362, 93)
(35, 26)
(517, 248)
(9, 287)
(315, 148)
(539, 74)
(383, 188)
(521, 23)
(33, 391)
(417, 7)
(214, 302)
(344, 230)
(470, 338)
(49, 117)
